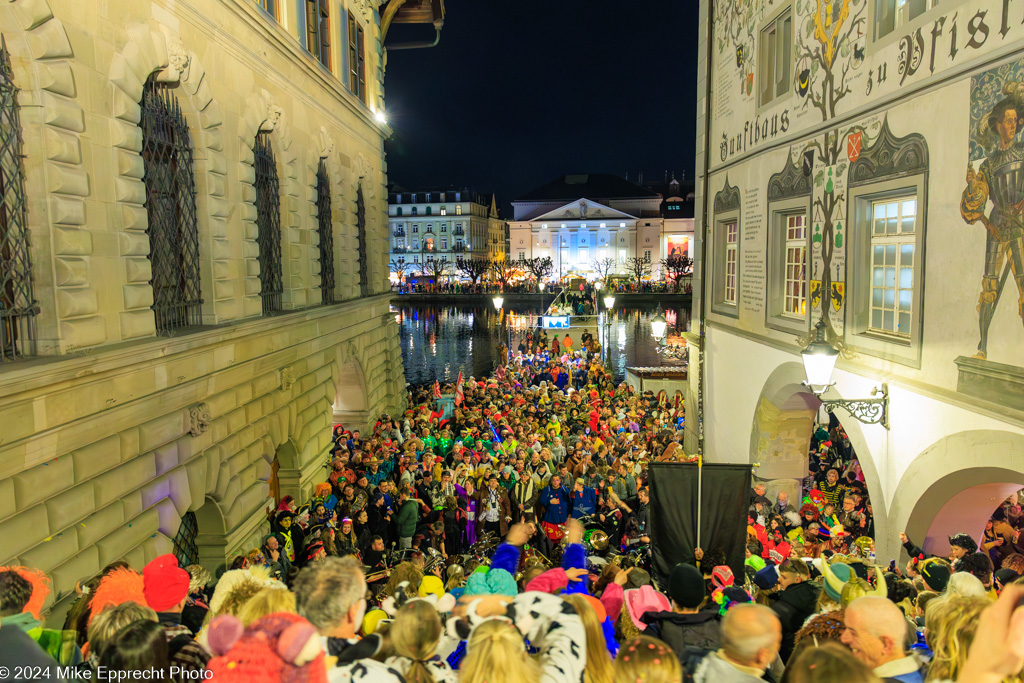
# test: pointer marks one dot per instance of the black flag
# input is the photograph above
(726, 497)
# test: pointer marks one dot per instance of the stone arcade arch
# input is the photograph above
(953, 485)
(351, 402)
(781, 432)
(212, 538)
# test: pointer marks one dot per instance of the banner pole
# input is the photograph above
(700, 496)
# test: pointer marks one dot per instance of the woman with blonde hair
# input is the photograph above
(827, 663)
(950, 625)
(495, 653)
(646, 660)
(599, 662)
(415, 635)
(268, 600)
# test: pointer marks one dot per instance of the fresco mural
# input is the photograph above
(993, 199)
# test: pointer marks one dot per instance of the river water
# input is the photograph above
(439, 341)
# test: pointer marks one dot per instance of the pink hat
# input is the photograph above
(722, 576)
(644, 599)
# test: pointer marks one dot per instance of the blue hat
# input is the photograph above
(767, 577)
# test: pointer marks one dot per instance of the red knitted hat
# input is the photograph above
(277, 648)
(165, 584)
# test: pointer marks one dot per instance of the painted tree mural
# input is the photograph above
(825, 53)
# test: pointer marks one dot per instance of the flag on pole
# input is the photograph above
(437, 389)
(460, 395)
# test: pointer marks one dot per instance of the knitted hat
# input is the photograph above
(935, 573)
(279, 647)
(767, 577)
(722, 576)
(165, 584)
(686, 586)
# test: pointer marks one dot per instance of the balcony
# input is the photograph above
(459, 248)
(399, 232)
(458, 231)
(400, 250)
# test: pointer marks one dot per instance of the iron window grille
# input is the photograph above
(185, 547)
(171, 209)
(18, 306)
(323, 217)
(268, 223)
(364, 266)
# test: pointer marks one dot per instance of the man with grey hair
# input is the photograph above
(331, 596)
(876, 633)
(750, 637)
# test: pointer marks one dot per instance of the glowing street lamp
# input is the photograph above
(659, 325)
(498, 300)
(609, 302)
(820, 362)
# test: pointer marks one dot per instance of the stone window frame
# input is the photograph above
(726, 211)
(891, 166)
(789, 193)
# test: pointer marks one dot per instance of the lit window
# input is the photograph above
(584, 256)
(893, 242)
(268, 6)
(458, 209)
(444, 243)
(795, 283)
(318, 31)
(731, 233)
(356, 61)
(623, 255)
(444, 210)
(776, 55)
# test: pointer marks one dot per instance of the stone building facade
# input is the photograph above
(124, 439)
(859, 164)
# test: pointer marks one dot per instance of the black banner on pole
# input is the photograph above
(674, 501)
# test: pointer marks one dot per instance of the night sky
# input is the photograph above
(519, 92)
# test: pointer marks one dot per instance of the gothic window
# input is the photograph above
(171, 210)
(268, 223)
(364, 266)
(323, 218)
(17, 303)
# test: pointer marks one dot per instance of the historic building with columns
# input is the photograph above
(580, 220)
(195, 284)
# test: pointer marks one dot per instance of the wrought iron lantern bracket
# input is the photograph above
(870, 411)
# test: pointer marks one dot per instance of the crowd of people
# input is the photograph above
(499, 531)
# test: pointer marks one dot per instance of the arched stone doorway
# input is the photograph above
(211, 538)
(954, 485)
(780, 438)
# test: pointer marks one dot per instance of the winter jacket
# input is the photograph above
(714, 669)
(584, 502)
(408, 515)
(682, 631)
(793, 606)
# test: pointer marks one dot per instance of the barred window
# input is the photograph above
(364, 266)
(185, 547)
(17, 303)
(171, 209)
(268, 223)
(323, 217)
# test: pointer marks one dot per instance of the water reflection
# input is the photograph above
(439, 341)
